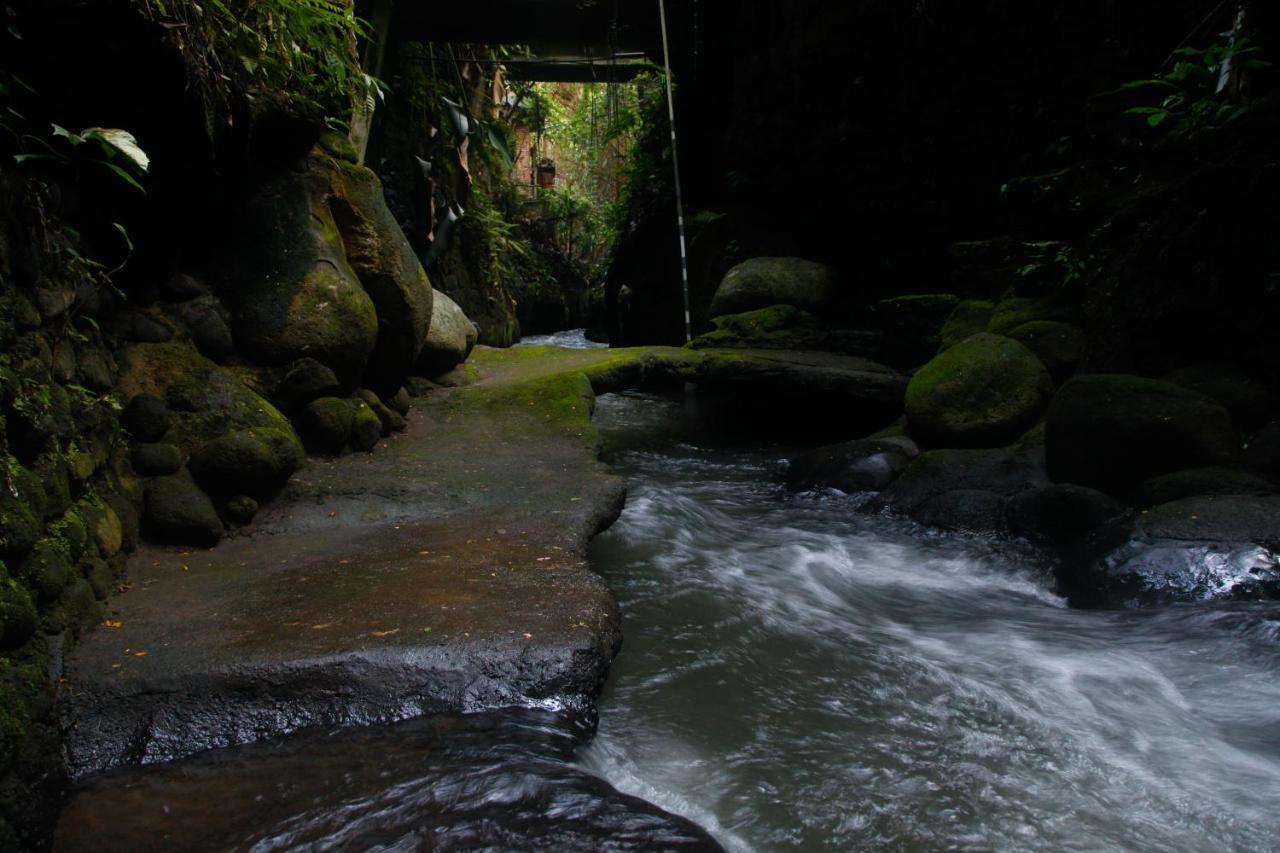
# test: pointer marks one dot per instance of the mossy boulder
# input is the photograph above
(155, 459)
(206, 401)
(966, 320)
(1059, 346)
(290, 289)
(1113, 431)
(76, 609)
(762, 282)
(868, 465)
(325, 425)
(1017, 311)
(146, 417)
(241, 509)
(104, 526)
(388, 268)
(255, 461)
(366, 426)
(305, 380)
(1237, 389)
(392, 421)
(47, 569)
(177, 511)
(775, 327)
(1061, 514)
(446, 345)
(983, 392)
(21, 514)
(1199, 481)
(17, 612)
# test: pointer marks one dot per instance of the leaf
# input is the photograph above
(500, 147)
(22, 158)
(1157, 119)
(124, 176)
(59, 130)
(122, 141)
(459, 116)
(1142, 84)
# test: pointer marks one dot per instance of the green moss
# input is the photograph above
(1019, 310)
(775, 327)
(966, 320)
(17, 611)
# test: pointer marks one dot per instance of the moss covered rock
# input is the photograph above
(47, 569)
(241, 509)
(446, 344)
(762, 282)
(177, 511)
(966, 320)
(305, 380)
(983, 392)
(392, 421)
(325, 425)
(366, 426)
(104, 525)
(17, 612)
(1199, 481)
(775, 327)
(388, 268)
(1237, 389)
(1017, 311)
(146, 417)
(1113, 431)
(289, 286)
(254, 461)
(1059, 346)
(21, 512)
(206, 401)
(156, 459)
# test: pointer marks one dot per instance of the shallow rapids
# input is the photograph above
(800, 676)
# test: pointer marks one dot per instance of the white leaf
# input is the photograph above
(122, 141)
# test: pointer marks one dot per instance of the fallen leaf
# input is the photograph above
(112, 623)
(527, 635)
(322, 626)
(386, 633)
(333, 513)
(139, 654)
(543, 559)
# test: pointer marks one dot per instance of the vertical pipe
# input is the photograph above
(675, 165)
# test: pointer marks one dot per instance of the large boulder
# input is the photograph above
(982, 392)
(325, 425)
(288, 284)
(1195, 549)
(1061, 514)
(387, 266)
(868, 465)
(1199, 481)
(966, 320)
(1238, 390)
(1015, 311)
(254, 462)
(1113, 431)
(762, 282)
(448, 338)
(966, 490)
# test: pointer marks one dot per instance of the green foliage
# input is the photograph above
(1052, 264)
(1194, 95)
(303, 50)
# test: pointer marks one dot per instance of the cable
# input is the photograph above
(675, 165)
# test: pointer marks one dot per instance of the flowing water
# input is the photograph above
(570, 339)
(797, 675)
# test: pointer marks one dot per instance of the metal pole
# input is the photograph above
(675, 165)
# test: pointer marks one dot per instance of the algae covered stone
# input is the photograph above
(17, 612)
(983, 392)
(1113, 431)
(966, 320)
(775, 327)
(366, 426)
(178, 511)
(255, 462)
(762, 282)
(1058, 345)
(325, 425)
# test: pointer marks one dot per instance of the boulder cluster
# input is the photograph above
(1148, 490)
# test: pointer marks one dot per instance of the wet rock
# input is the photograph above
(445, 346)
(128, 512)
(146, 417)
(764, 282)
(1199, 481)
(325, 425)
(155, 459)
(1239, 392)
(255, 462)
(64, 361)
(388, 268)
(76, 609)
(20, 516)
(776, 327)
(966, 489)
(1262, 454)
(177, 511)
(392, 421)
(96, 369)
(967, 319)
(1059, 346)
(868, 465)
(1062, 514)
(1113, 431)
(104, 525)
(208, 325)
(984, 391)
(290, 289)
(1191, 550)
(241, 509)
(135, 326)
(401, 401)
(99, 574)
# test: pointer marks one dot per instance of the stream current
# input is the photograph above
(797, 675)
